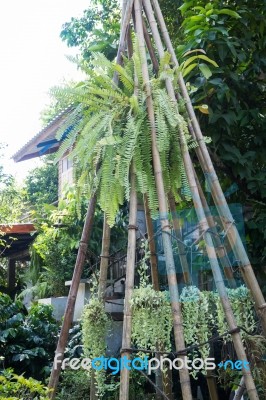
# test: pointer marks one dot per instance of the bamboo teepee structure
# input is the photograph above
(146, 17)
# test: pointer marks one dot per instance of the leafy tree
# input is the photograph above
(97, 30)
(11, 197)
(55, 248)
(234, 36)
(41, 184)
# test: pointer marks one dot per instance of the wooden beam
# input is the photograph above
(17, 228)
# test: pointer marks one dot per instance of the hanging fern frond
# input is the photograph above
(111, 129)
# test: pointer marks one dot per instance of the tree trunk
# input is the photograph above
(166, 231)
(130, 275)
(69, 311)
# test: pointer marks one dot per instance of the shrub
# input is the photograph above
(16, 387)
(27, 339)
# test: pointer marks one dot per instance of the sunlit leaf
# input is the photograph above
(205, 70)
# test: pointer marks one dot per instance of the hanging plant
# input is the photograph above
(197, 320)
(151, 309)
(243, 310)
(95, 325)
(203, 311)
(152, 319)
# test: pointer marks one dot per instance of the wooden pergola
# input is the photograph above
(17, 239)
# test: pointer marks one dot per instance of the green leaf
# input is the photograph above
(229, 12)
(202, 57)
(187, 70)
(205, 70)
(194, 51)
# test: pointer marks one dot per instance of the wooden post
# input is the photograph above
(11, 275)
(69, 311)
(163, 209)
(216, 190)
(130, 275)
(180, 245)
(251, 389)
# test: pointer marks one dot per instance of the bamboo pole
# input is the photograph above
(240, 390)
(104, 258)
(180, 245)
(69, 311)
(212, 387)
(106, 237)
(152, 248)
(155, 284)
(150, 49)
(130, 274)
(220, 249)
(216, 190)
(127, 13)
(235, 332)
(163, 209)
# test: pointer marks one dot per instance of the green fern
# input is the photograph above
(110, 129)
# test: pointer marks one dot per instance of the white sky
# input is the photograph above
(32, 59)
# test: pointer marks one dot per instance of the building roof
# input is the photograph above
(44, 142)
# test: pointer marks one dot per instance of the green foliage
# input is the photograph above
(97, 30)
(95, 324)
(152, 319)
(203, 314)
(197, 317)
(27, 339)
(148, 307)
(113, 128)
(11, 197)
(233, 35)
(54, 251)
(243, 309)
(41, 184)
(56, 105)
(74, 385)
(16, 387)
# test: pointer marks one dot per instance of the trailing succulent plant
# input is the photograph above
(95, 325)
(109, 127)
(151, 309)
